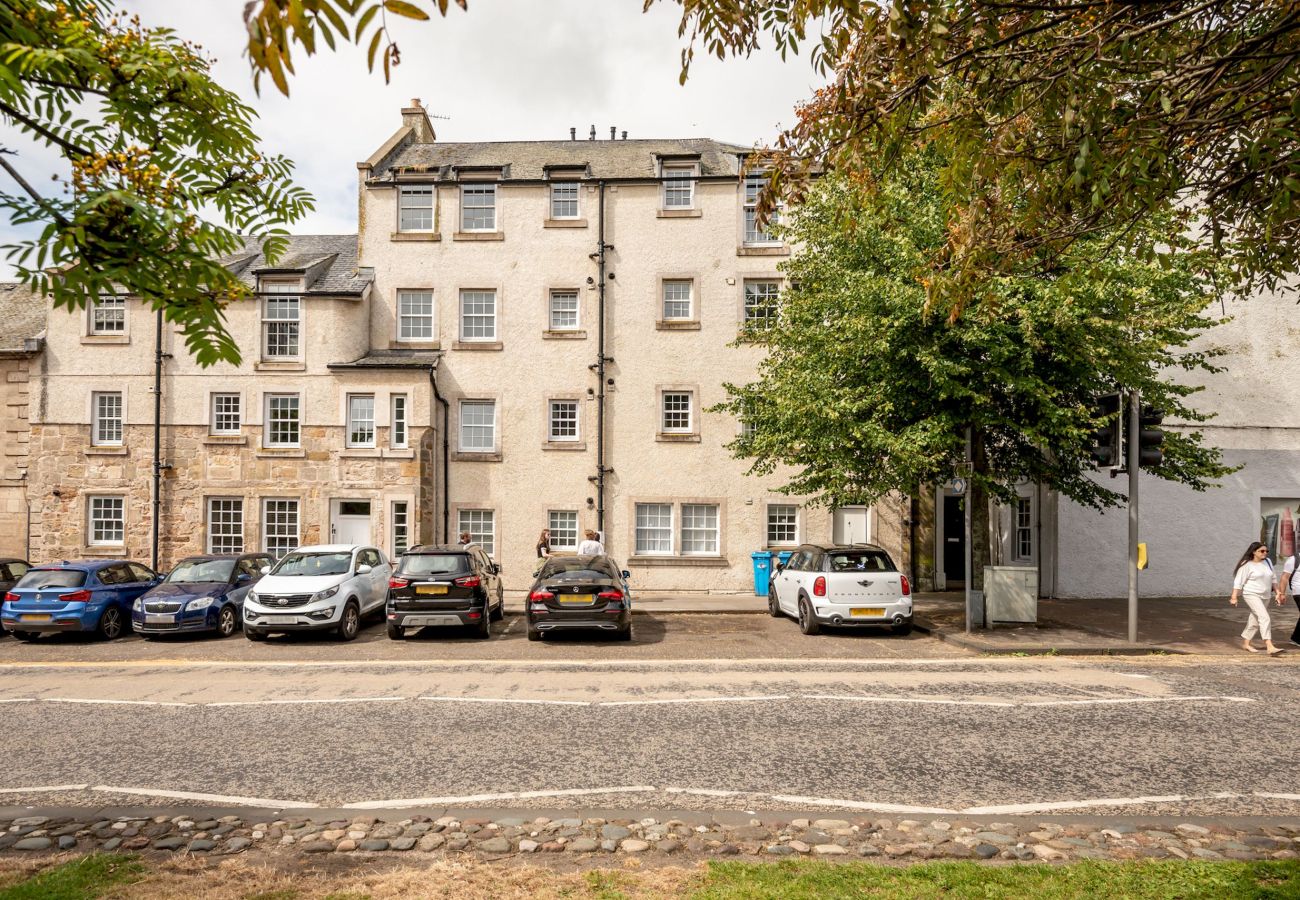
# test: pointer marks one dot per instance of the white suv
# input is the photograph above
(841, 586)
(324, 588)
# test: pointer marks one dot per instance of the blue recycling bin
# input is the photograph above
(784, 556)
(762, 571)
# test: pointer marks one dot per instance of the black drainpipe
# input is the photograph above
(601, 360)
(158, 464)
(446, 453)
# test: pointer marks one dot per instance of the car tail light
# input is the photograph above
(11, 597)
(610, 595)
(907, 586)
(82, 596)
(467, 581)
(541, 596)
(819, 586)
(398, 582)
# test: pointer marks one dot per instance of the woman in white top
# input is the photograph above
(1254, 580)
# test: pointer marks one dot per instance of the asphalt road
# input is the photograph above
(709, 716)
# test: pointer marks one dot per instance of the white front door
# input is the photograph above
(852, 525)
(350, 522)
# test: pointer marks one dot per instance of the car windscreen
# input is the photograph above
(36, 579)
(859, 561)
(562, 565)
(418, 564)
(314, 564)
(191, 571)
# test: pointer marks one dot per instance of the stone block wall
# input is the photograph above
(15, 372)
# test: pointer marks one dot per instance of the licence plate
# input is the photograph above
(157, 620)
(35, 617)
(576, 600)
(866, 611)
(281, 620)
(421, 621)
(431, 588)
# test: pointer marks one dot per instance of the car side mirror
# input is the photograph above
(626, 574)
(365, 569)
(265, 569)
(243, 578)
(496, 568)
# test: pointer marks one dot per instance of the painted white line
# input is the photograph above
(1131, 675)
(1278, 796)
(473, 799)
(19, 700)
(507, 700)
(694, 700)
(443, 663)
(1029, 808)
(1098, 701)
(45, 789)
(704, 792)
(311, 700)
(1120, 700)
(922, 700)
(114, 702)
(856, 804)
(208, 798)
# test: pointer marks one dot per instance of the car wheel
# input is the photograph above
(350, 624)
(110, 624)
(395, 632)
(483, 630)
(624, 635)
(499, 611)
(902, 630)
(534, 634)
(28, 636)
(226, 621)
(254, 635)
(773, 607)
(807, 624)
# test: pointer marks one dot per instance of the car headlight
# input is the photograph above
(325, 594)
(252, 595)
(200, 603)
(138, 605)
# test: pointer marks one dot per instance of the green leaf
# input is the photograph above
(402, 8)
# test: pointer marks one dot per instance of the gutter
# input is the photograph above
(446, 454)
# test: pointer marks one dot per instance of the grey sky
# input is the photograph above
(506, 70)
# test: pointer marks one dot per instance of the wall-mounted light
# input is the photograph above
(590, 280)
(591, 502)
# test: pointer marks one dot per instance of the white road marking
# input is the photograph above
(489, 798)
(1098, 701)
(443, 663)
(703, 792)
(1131, 675)
(114, 702)
(208, 798)
(1014, 809)
(19, 700)
(694, 700)
(922, 700)
(856, 804)
(507, 700)
(308, 700)
(1278, 796)
(44, 789)
(1115, 700)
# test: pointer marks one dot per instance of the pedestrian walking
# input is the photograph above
(1291, 579)
(544, 544)
(592, 545)
(1254, 580)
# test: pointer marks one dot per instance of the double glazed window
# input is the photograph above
(1024, 512)
(478, 207)
(478, 426)
(226, 414)
(282, 420)
(108, 315)
(654, 529)
(678, 303)
(415, 208)
(564, 311)
(562, 422)
(696, 535)
(415, 315)
(107, 520)
(225, 525)
(564, 200)
(397, 435)
(699, 529)
(481, 525)
(281, 321)
(478, 315)
(106, 424)
(782, 524)
(279, 526)
(361, 420)
(754, 232)
(401, 527)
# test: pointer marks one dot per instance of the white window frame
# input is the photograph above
(231, 534)
(275, 543)
(664, 412)
(557, 530)
(768, 300)
(472, 520)
(98, 421)
(399, 513)
(674, 285)
(1022, 528)
(559, 437)
(753, 236)
(478, 295)
(563, 294)
(268, 425)
(101, 503)
(399, 421)
(417, 321)
(356, 421)
(576, 200)
(691, 531)
(468, 191)
(276, 293)
(462, 425)
(672, 185)
(653, 533)
(215, 413)
(782, 516)
(115, 306)
(403, 207)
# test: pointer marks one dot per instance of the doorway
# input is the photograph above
(852, 525)
(350, 522)
(953, 552)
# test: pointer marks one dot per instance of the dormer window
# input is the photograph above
(415, 208)
(281, 321)
(478, 207)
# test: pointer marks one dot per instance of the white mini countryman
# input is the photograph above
(846, 586)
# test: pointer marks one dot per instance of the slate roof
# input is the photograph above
(529, 160)
(22, 315)
(329, 261)
(393, 359)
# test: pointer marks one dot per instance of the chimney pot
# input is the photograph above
(573, 134)
(625, 135)
(415, 102)
(592, 136)
(613, 132)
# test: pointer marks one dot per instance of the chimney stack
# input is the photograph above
(573, 134)
(416, 118)
(625, 135)
(592, 136)
(613, 132)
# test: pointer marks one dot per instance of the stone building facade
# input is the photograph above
(22, 327)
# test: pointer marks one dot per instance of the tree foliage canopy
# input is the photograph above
(1057, 118)
(865, 391)
(157, 151)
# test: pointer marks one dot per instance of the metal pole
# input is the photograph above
(966, 504)
(1135, 404)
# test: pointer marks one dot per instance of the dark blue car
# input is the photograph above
(203, 593)
(82, 595)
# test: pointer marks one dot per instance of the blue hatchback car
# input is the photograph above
(203, 593)
(82, 595)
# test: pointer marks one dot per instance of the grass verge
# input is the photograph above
(81, 879)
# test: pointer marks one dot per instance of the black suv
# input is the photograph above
(444, 585)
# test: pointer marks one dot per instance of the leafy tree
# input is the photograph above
(157, 151)
(866, 390)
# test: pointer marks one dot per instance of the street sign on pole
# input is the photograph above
(1134, 451)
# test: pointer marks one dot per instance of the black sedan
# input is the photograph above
(580, 593)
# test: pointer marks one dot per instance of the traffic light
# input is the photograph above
(1150, 437)
(1108, 440)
